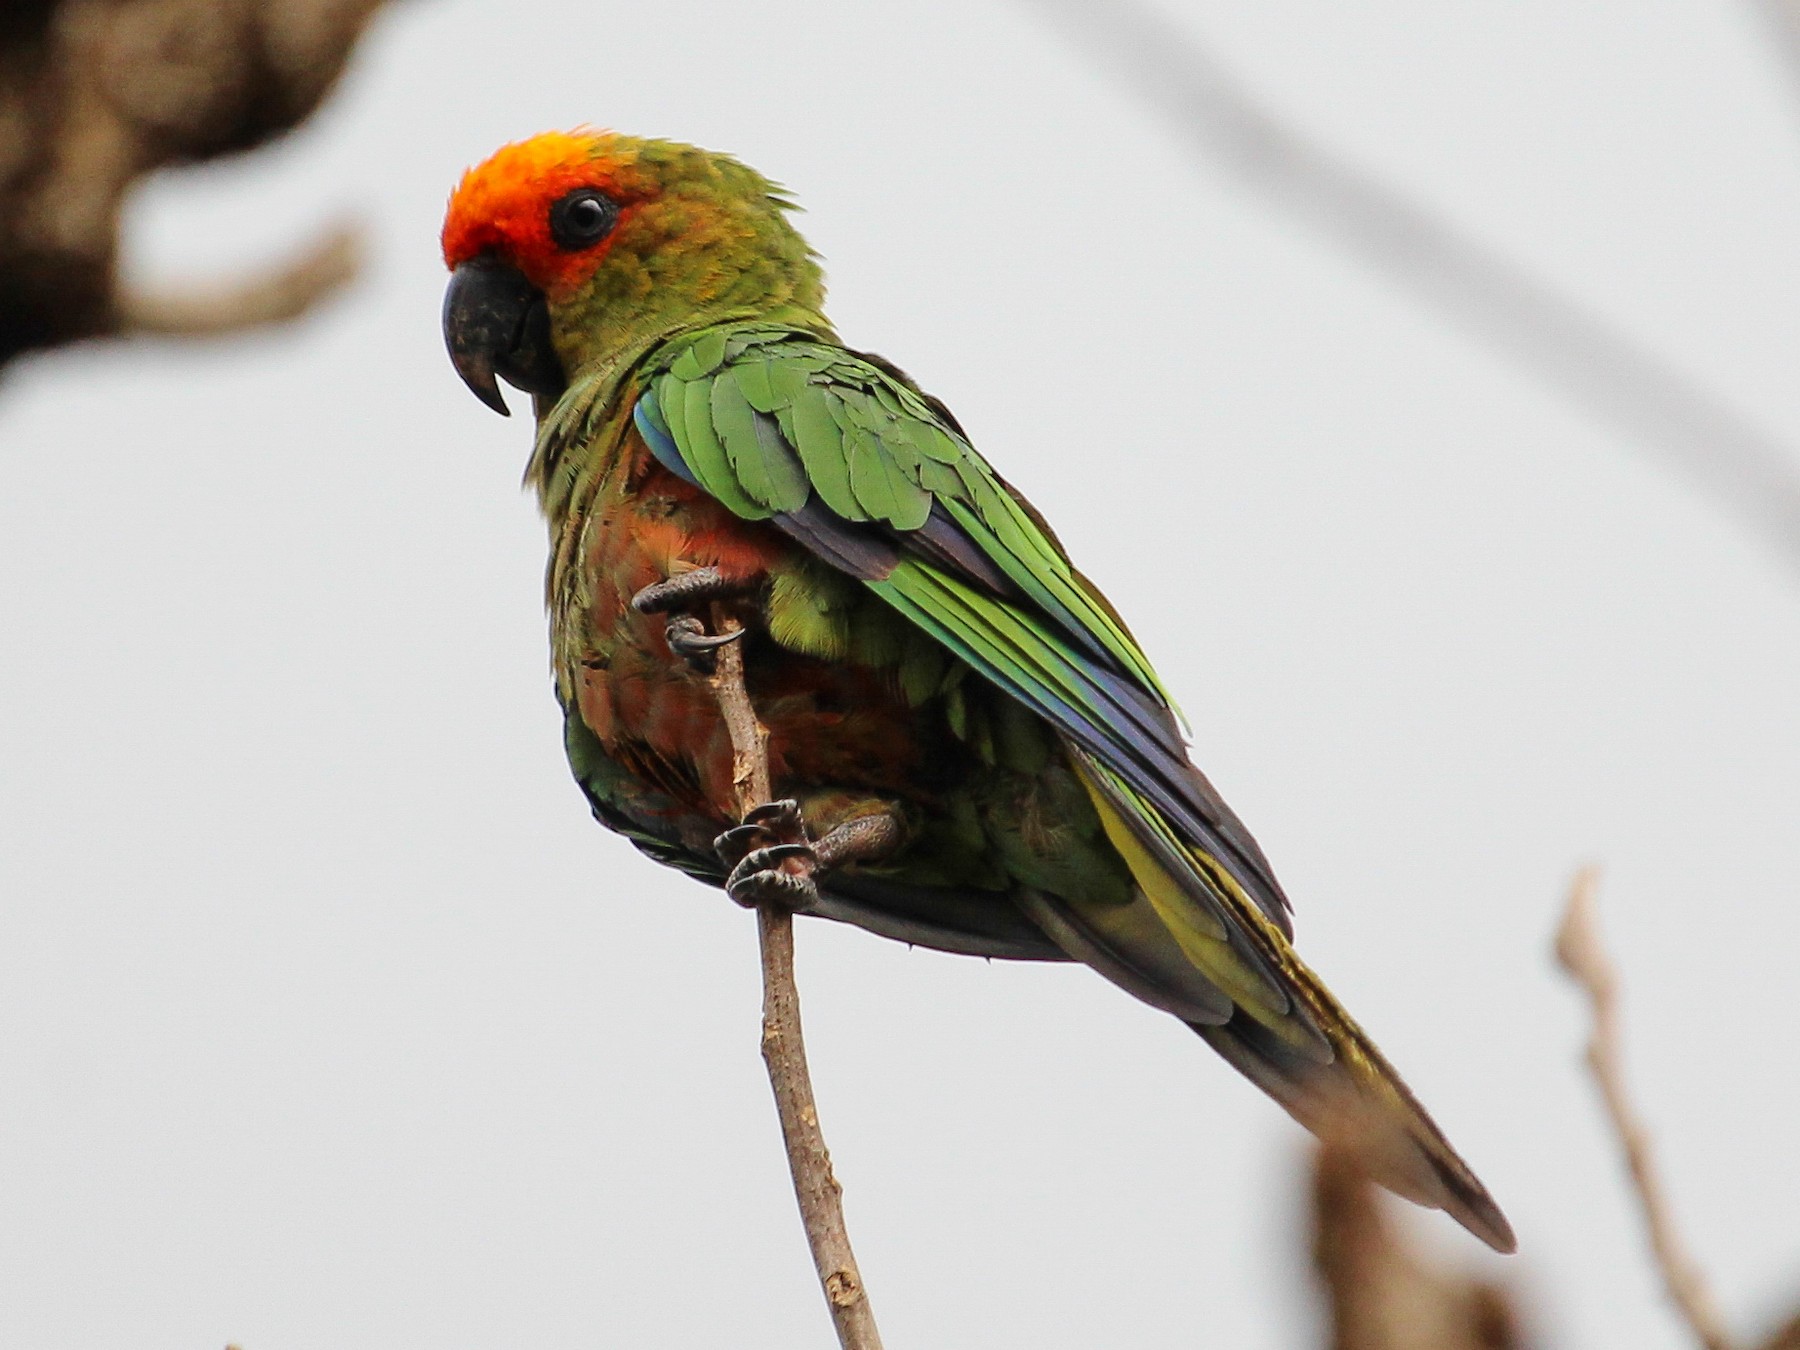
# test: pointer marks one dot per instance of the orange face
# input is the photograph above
(571, 246)
(516, 206)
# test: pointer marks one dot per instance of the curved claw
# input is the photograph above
(688, 642)
(795, 893)
(776, 854)
(687, 638)
(687, 635)
(770, 859)
(737, 841)
(760, 879)
(778, 816)
(771, 823)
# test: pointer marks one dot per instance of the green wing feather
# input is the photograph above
(871, 447)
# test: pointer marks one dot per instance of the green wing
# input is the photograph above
(845, 455)
(768, 418)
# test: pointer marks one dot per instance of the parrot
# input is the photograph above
(968, 749)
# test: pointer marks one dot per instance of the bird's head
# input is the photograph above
(584, 247)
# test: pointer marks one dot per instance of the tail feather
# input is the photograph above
(1192, 943)
(1103, 939)
(1362, 1103)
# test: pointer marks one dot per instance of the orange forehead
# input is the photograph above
(503, 204)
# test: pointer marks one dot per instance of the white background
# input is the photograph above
(328, 1019)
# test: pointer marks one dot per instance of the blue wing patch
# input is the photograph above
(649, 420)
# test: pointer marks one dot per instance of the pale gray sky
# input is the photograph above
(328, 1019)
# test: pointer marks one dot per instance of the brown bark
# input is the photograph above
(96, 94)
(784, 1051)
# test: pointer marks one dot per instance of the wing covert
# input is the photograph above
(845, 456)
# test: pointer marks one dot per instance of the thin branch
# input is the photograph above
(283, 293)
(1580, 953)
(1561, 341)
(784, 1051)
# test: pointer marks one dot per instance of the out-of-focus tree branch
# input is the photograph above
(276, 296)
(96, 94)
(1783, 20)
(1785, 1337)
(1581, 954)
(1563, 343)
(1381, 1295)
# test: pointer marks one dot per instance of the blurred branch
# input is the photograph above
(1783, 20)
(97, 94)
(1558, 339)
(784, 1051)
(1786, 1337)
(1581, 955)
(1381, 1295)
(286, 292)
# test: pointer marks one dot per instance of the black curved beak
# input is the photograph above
(496, 323)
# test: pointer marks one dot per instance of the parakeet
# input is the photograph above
(970, 750)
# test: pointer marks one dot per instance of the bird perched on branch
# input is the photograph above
(970, 750)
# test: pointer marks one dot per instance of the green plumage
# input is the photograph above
(869, 445)
(921, 648)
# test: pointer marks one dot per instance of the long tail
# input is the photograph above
(1191, 942)
(1361, 1100)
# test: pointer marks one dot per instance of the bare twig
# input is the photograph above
(1382, 1296)
(1581, 955)
(1557, 338)
(784, 1051)
(285, 292)
(95, 95)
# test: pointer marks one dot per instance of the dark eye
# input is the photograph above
(582, 218)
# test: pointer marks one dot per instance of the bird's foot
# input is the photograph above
(678, 597)
(771, 859)
(771, 823)
(686, 590)
(780, 874)
(773, 862)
